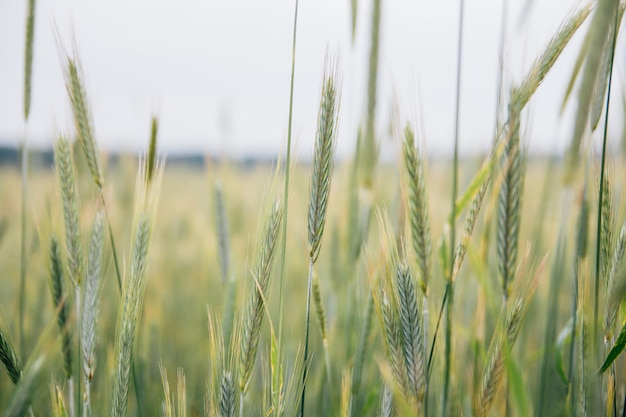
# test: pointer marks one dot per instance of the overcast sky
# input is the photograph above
(217, 71)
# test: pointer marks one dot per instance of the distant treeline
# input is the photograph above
(44, 159)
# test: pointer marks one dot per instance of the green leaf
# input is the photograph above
(485, 171)
(516, 383)
(580, 60)
(618, 347)
(564, 340)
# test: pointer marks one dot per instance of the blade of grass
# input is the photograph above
(552, 309)
(455, 181)
(283, 256)
(321, 175)
(602, 183)
(28, 71)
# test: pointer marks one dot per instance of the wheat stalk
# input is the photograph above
(134, 288)
(132, 301)
(28, 71)
(28, 55)
(181, 393)
(604, 237)
(411, 331)
(82, 118)
(61, 305)
(227, 396)
(583, 337)
(543, 64)
(69, 198)
(327, 121)
(283, 256)
(599, 40)
(503, 340)
(468, 229)
(221, 223)
(611, 305)
(509, 208)
(492, 374)
(327, 124)
(222, 388)
(369, 148)
(606, 232)
(418, 207)
(392, 339)
(321, 319)
(359, 358)
(91, 308)
(167, 402)
(66, 178)
(8, 357)
(28, 385)
(386, 402)
(253, 317)
(151, 158)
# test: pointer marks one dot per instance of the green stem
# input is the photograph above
(23, 246)
(306, 336)
(87, 399)
(115, 261)
(286, 191)
(455, 180)
(79, 367)
(425, 313)
(432, 347)
(602, 165)
(552, 308)
(448, 351)
(503, 26)
(133, 372)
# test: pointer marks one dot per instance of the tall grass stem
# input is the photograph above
(283, 256)
(602, 181)
(455, 180)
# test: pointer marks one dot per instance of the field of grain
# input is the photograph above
(487, 286)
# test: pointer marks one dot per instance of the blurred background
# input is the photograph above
(217, 72)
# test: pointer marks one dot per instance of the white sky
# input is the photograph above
(217, 71)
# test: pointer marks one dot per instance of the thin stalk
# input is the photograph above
(306, 335)
(87, 400)
(28, 72)
(286, 190)
(432, 347)
(425, 347)
(23, 245)
(115, 261)
(503, 26)
(601, 192)
(448, 350)
(133, 372)
(605, 134)
(455, 180)
(581, 253)
(552, 308)
(79, 349)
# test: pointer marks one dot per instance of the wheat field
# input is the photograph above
(416, 286)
